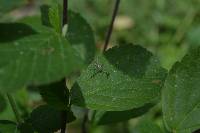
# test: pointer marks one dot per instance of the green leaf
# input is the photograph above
(36, 60)
(147, 126)
(3, 103)
(81, 36)
(55, 18)
(181, 95)
(13, 31)
(44, 9)
(79, 33)
(108, 117)
(8, 127)
(193, 36)
(56, 94)
(126, 77)
(52, 17)
(35, 23)
(46, 119)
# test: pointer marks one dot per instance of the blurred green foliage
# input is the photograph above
(168, 28)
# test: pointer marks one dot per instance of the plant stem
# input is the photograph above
(14, 108)
(110, 29)
(65, 12)
(65, 22)
(64, 122)
(125, 127)
(84, 124)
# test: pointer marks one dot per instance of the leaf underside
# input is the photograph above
(109, 117)
(56, 94)
(46, 119)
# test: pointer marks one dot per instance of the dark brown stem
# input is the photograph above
(64, 122)
(30, 2)
(110, 29)
(125, 127)
(65, 21)
(84, 124)
(65, 12)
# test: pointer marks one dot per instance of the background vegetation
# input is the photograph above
(168, 28)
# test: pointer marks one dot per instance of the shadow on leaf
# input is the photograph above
(131, 60)
(13, 31)
(77, 96)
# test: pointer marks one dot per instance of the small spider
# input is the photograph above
(99, 69)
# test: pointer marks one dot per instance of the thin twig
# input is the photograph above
(93, 115)
(125, 127)
(65, 12)
(14, 108)
(64, 122)
(65, 22)
(84, 123)
(109, 33)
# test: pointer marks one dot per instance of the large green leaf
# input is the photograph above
(108, 117)
(35, 60)
(81, 36)
(124, 78)
(56, 94)
(35, 23)
(2, 103)
(147, 126)
(8, 127)
(181, 95)
(46, 119)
